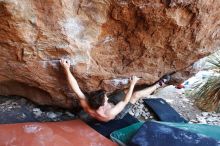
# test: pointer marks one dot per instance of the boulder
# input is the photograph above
(106, 41)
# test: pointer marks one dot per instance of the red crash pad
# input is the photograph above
(68, 133)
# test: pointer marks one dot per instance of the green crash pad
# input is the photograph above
(122, 136)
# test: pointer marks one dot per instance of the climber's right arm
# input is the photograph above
(71, 79)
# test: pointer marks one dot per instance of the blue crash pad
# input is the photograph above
(163, 110)
(123, 136)
(156, 134)
(106, 128)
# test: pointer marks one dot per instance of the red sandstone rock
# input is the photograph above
(107, 41)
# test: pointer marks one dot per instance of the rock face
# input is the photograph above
(107, 41)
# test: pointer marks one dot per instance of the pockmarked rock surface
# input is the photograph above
(106, 41)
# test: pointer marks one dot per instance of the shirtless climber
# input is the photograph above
(98, 106)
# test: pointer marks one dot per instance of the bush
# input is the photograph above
(207, 94)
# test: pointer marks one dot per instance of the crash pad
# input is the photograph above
(208, 130)
(157, 134)
(163, 111)
(68, 133)
(106, 128)
(122, 136)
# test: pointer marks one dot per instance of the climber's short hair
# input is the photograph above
(96, 99)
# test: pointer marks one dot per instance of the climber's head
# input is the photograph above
(98, 99)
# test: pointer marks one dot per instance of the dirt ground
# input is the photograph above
(16, 109)
(182, 102)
